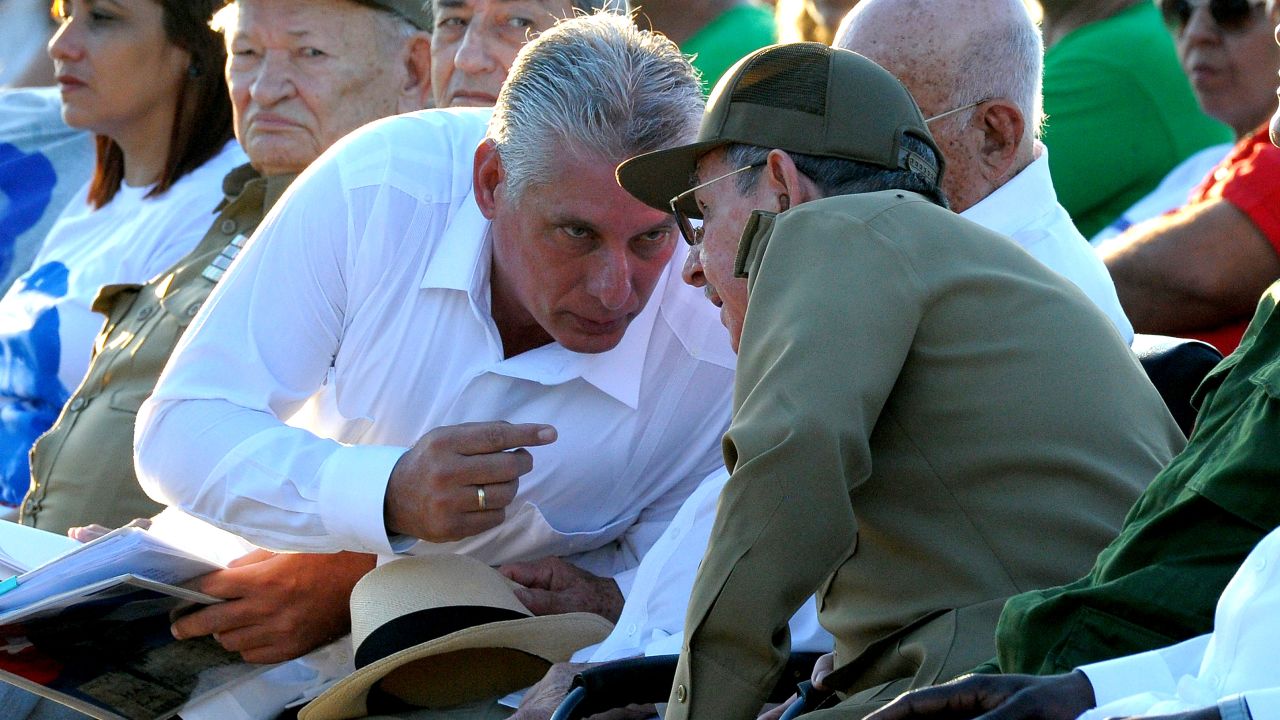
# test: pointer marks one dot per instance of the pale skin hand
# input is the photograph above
(278, 607)
(553, 586)
(821, 669)
(432, 493)
(542, 699)
(996, 697)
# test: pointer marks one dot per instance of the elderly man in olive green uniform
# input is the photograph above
(926, 420)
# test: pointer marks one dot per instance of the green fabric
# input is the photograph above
(727, 39)
(1159, 581)
(1121, 114)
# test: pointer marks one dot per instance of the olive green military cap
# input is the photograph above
(417, 12)
(801, 97)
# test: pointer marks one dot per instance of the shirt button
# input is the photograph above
(146, 312)
(78, 404)
(681, 694)
(228, 226)
(192, 309)
(632, 628)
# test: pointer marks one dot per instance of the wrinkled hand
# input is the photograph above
(541, 701)
(89, 533)
(821, 668)
(553, 586)
(278, 607)
(432, 493)
(996, 697)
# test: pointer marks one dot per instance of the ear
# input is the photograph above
(488, 176)
(1002, 127)
(783, 178)
(416, 91)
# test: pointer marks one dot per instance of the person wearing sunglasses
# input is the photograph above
(1198, 270)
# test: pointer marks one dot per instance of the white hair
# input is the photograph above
(596, 87)
(1005, 60)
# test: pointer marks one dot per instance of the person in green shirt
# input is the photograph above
(1120, 111)
(714, 33)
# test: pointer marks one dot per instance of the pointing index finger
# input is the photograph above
(492, 437)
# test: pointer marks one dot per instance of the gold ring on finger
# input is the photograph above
(481, 499)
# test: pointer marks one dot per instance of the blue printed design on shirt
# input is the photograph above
(26, 189)
(31, 394)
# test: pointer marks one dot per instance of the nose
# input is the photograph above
(65, 44)
(475, 54)
(692, 272)
(274, 80)
(610, 281)
(1201, 27)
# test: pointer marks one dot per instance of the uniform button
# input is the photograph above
(681, 694)
(192, 309)
(228, 226)
(78, 404)
(146, 312)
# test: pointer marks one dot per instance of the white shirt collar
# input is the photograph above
(461, 262)
(1027, 197)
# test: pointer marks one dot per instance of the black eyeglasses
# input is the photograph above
(693, 235)
(1232, 16)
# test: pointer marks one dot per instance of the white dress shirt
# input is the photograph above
(360, 312)
(652, 619)
(1239, 657)
(1027, 210)
(1172, 193)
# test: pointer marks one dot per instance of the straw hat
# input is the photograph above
(442, 630)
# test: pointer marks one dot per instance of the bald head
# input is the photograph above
(955, 54)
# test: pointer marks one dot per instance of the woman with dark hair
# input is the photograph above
(145, 76)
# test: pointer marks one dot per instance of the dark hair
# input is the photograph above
(202, 118)
(837, 176)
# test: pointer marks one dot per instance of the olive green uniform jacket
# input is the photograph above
(1159, 581)
(926, 422)
(82, 469)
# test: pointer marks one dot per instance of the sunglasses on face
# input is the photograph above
(1231, 16)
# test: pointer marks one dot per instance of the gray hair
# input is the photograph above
(1005, 60)
(596, 87)
(837, 176)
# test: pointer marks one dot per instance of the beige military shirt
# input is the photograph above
(926, 421)
(82, 469)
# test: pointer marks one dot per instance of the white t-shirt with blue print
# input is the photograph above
(47, 328)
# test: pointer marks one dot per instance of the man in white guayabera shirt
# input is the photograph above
(453, 314)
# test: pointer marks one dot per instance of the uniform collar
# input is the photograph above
(241, 178)
(461, 262)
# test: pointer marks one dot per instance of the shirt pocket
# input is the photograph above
(141, 344)
(1268, 379)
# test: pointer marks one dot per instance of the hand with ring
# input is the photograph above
(458, 480)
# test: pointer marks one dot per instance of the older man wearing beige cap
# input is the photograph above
(926, 420)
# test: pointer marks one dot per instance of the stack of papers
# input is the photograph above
(127, 558)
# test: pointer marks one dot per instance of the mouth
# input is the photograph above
(601, 327)
(472, 99)
(69, 82)
(713, 296)
(271, 121)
